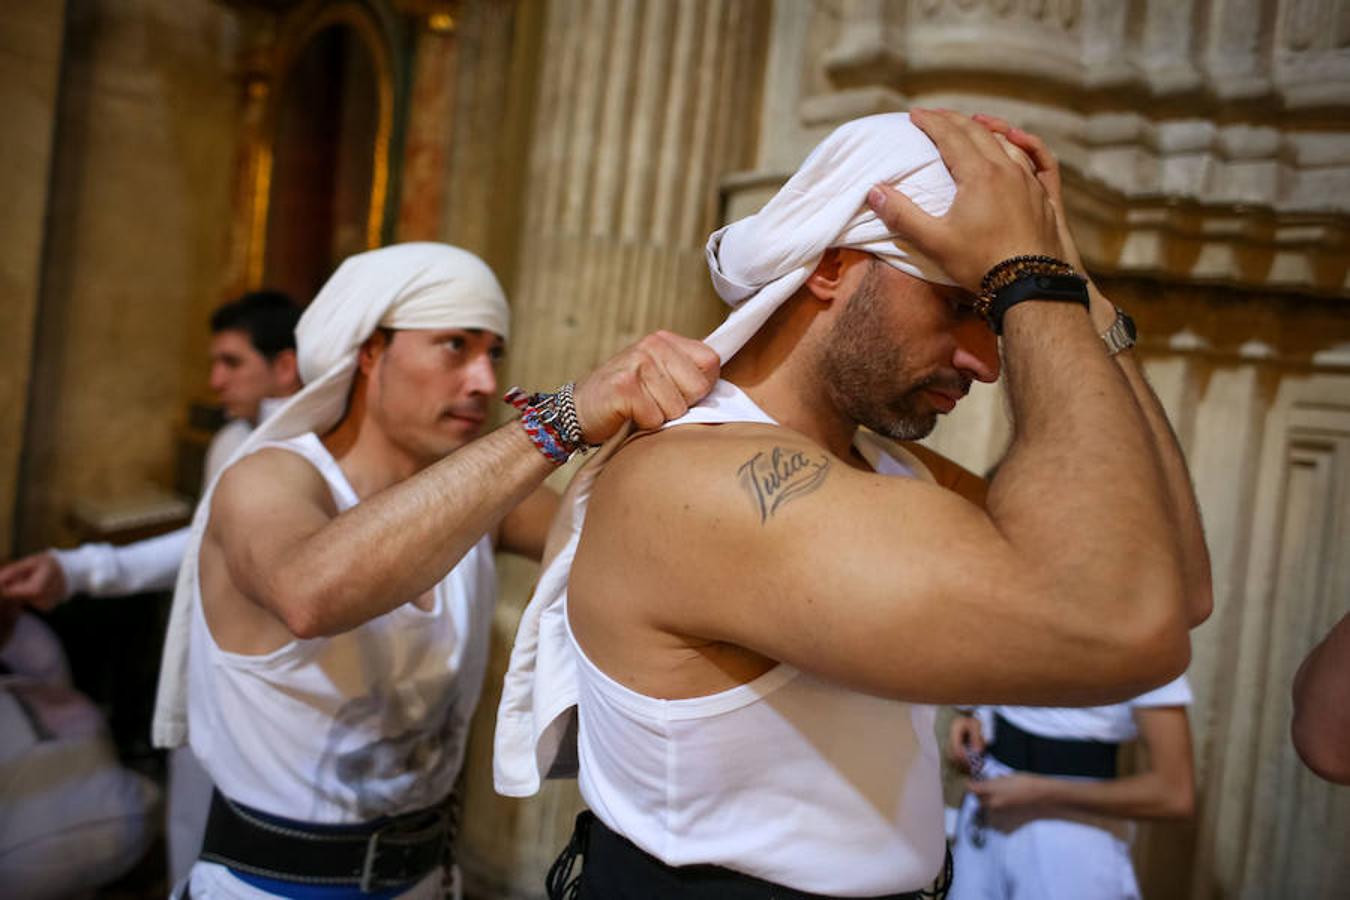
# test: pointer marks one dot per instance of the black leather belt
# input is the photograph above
(377, 855)
(614, 868)
(1025, 752)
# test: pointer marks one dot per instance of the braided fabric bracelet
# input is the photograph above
(549, 421)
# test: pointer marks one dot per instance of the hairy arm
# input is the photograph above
(1184, 510)
(890, 585)
(1165, 790)
(322, 574)
(524, 529)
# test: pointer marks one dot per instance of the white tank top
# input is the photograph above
(788, 778)
(344, 729)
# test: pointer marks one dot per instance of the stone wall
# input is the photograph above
(30, 68)
(137, 214)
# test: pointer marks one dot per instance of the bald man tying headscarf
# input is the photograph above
(331, 620)
(734, 652)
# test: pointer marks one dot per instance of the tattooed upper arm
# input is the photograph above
(774, 477)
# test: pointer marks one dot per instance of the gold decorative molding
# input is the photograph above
(293, 33)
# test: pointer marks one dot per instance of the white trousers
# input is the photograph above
(1040, 855)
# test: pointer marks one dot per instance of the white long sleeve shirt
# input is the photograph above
(107, 570)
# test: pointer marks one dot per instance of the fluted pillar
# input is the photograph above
(640, 110)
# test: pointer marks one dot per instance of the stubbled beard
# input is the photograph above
(862, 368)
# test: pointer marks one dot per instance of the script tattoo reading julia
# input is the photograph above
(778, 476)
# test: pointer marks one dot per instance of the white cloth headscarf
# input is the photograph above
(756, 264)
(407, 286)
(761, 260)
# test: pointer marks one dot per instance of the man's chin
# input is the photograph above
(914, 428)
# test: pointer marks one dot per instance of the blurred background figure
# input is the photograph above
(253, 370)
(1046, 816)
(71, 817)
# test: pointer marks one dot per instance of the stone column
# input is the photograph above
(31, 45)
(640, 109)
(255, 77)
(427, 140)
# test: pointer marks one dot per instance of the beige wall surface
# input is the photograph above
(30, 68)
(138, 217)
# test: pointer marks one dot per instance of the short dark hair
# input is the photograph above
(267, 317)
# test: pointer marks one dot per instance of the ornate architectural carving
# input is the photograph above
(1212, 137)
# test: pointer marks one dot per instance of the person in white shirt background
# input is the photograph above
(252, 372)
(1045, 815)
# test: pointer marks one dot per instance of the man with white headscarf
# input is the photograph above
(332, 614)
(765, 596)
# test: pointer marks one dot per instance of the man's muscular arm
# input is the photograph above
(1181, 494)
(322, 574)
(1066, 591)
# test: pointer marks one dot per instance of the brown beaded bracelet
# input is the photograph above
(1012, 269)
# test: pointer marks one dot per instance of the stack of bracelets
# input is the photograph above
(1021, 278)
(550, 421)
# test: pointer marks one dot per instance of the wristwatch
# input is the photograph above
(1121, 335)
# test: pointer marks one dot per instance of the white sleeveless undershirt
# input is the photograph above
(344, 729)
(788, 778)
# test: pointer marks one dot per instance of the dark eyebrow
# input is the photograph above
(498, 341)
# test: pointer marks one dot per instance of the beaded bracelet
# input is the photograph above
(992, 301)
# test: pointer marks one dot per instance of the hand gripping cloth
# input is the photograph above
(415, 286)
(756, 264)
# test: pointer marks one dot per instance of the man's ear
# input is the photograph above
(826, 282)
(286, 371)
(370, 351)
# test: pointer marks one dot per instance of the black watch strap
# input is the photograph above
(1061, 288)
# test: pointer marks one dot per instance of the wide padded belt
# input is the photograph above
(1026, 752)
(377, 855)
(615, 868)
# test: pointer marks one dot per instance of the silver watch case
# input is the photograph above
(1121, 335)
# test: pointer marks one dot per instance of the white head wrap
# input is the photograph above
(406, 286)
(756, 263)
(761, 260)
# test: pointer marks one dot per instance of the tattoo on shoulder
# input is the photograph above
(774, 477)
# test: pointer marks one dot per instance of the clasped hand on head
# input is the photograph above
(1002, 209)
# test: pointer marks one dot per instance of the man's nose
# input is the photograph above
(218, 379)
(976, 350)
(482, 376)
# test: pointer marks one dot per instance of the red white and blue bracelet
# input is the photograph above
(550, 421)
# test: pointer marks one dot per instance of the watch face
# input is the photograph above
(1129, 327)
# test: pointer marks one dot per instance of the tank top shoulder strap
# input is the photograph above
(312, 449)
(725, 403)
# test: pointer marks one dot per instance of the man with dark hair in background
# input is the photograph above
(253, 370)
